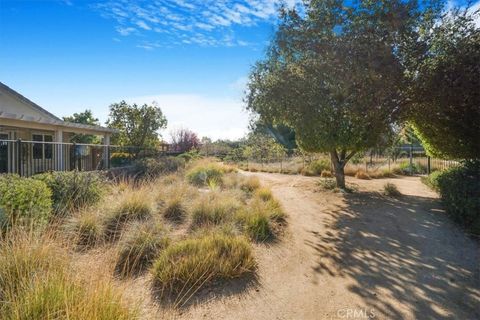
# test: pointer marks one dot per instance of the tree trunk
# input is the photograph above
(338, 167)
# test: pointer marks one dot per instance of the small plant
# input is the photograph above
(85, 229)
(24, 201)
(133, 206)
(316, 167)
(186, 266)
(72, 190)
(213, 209)
(249, 184)
(264, 193)
(391, 190)
(202, 174)
(327, 184)
(256, 224)
(361, 174)
(174, 209)
(139, 248)
(326, 174)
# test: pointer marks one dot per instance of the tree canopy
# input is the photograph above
(444, 69)
(334, 74)
(85, 117)
(138, 125)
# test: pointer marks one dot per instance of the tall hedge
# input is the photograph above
(24, 201)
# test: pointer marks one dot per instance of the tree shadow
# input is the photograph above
(403, 254)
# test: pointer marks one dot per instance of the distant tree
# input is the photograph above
(138, 125)
(184, 140)
(444, 67)
(85, 117)
(333, 74)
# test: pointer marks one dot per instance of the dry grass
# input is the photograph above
(85, 229)
(213, 209)
(186, 266)
(391, 190)
(361, 174)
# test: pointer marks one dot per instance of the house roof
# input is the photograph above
(49, 119)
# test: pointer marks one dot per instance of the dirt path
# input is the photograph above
(358, 256)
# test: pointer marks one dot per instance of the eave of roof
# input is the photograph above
(56, 120)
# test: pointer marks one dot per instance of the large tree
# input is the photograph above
(333, 74)
(444, 67)
(85, 117)
(138, 125)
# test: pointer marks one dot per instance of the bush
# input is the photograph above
(34, 284)
(391, 190)
(24, 201)
(326, 174)
(72, 190)
(202, 175)
(327, 184)
(86, 230)
(121, 159)
(459, 189)
(139, 248)
(256, 225)
(133, 206)
(187, 265)
(316, 167)
(432, 180)
(213, 209)
(154, 167)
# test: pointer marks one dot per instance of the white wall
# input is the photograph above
(11, 104)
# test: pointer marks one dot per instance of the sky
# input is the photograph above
(192, 57)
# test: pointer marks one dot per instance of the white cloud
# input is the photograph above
(217, 118)
(208, 22)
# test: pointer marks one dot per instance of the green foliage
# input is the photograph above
(188, 265)
(317, 166)
(201, 175)
(72, 190)
(257, 225)
(459, 189)
(138, 125)
(24, 201)
(391, 190)
(155, 167)
(139, 248)
(120, 159)
(432, 180)
(263, 148)
(443, 69)
(190, 155)
(85, 117)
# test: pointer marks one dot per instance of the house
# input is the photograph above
(33, 140)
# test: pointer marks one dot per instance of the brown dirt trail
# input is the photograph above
(357, 256)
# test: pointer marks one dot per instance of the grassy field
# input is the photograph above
(176, 232)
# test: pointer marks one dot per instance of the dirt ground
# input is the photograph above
(356, 256)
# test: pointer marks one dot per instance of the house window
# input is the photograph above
(42, 150)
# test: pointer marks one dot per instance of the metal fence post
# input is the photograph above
(19, 157)
(74, 146)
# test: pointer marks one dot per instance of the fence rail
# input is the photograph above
(27, 158)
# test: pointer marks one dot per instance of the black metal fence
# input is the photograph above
(27, 158)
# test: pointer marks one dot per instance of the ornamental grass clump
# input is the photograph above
(213, 209)
(139, 247)
(188, 265)
(85, 229)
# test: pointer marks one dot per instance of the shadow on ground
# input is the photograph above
(405, 258)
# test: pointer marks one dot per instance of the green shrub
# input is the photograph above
(72, 190)
(187, 265)
(201, 175)
(249, 184)
(155, 167)
(256, 224)
(391, 190)
(213, 209)
(432, 180)
(459, 189)
(24, 201)
(139, 247)
(316, 167)
(121, 159)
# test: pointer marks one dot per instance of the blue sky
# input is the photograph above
(192, 57)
